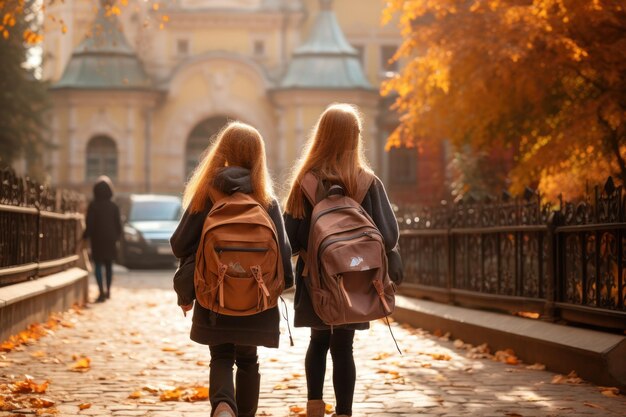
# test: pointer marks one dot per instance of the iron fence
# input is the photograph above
(40, 228)
(520, 255)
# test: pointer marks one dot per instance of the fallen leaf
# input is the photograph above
(135, 395)
(81, 365)
(571, 378)
(506, 356)
(380, 356)
(7, 346)
(201, 363)
(198, 393)
(171, 395)
(439, 356)
(296, 409)
(84, 406)
(609, 391)
(28, 385)
(537, 366)
(169, 349)
(527, 314)
(479, 352)
(459, 344)
(329, 409)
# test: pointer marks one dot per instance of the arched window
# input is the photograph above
(198, 141)
(101, 158)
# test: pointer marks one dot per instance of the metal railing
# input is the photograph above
(519, 255)
(40, 228)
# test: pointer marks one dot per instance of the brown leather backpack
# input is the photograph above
(238, 269)
(345, 262)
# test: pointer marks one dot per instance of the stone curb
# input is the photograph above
(32, 301)
(595, 356)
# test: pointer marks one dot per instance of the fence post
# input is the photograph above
(552, 273)
(450, 264)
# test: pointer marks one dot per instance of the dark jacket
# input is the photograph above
(376, 204)
(210, 328)
(103, 223)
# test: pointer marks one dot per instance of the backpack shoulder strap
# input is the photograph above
(309, 184)
(364, 183)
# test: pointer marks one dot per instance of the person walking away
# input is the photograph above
(103, 230)
(236, 163)
(334, 155)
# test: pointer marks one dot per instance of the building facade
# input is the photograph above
(140, 87)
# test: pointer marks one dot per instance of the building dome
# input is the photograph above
(325, 60)
(104, 59)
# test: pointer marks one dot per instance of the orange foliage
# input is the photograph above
(172, 393)
(541, 77)
(28, 385)
(18, 395)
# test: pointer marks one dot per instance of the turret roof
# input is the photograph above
(326, 59)
(104, 59)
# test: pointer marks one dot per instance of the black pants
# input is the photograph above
(108, 267)
(221, 387)
(344, 371)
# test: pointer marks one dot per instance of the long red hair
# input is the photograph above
(237, 144)
(333, 152)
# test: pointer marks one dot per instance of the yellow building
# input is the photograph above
(137, 94)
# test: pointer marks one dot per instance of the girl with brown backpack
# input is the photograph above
(334, 157)
(232, 177)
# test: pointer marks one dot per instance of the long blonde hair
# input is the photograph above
(333, 152)
(237, 144)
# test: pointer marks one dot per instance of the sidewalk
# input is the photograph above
(138, 341)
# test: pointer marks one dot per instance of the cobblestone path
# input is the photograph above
(138, 341)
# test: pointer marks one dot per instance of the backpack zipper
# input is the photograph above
(238, 249)
(340, 239)
(330, 210)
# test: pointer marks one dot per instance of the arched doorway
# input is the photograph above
(101, 158)
(198, 140)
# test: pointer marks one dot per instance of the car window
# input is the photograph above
(155, 210)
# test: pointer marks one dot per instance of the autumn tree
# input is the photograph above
(544, 78)
(23, 98)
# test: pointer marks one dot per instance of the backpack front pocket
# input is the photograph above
(239, 294)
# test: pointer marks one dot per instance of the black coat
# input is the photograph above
(376, 204)
(208, 327)
(103, 223)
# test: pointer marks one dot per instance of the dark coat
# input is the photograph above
(376, 204)
(208, 327)
(103, 223)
